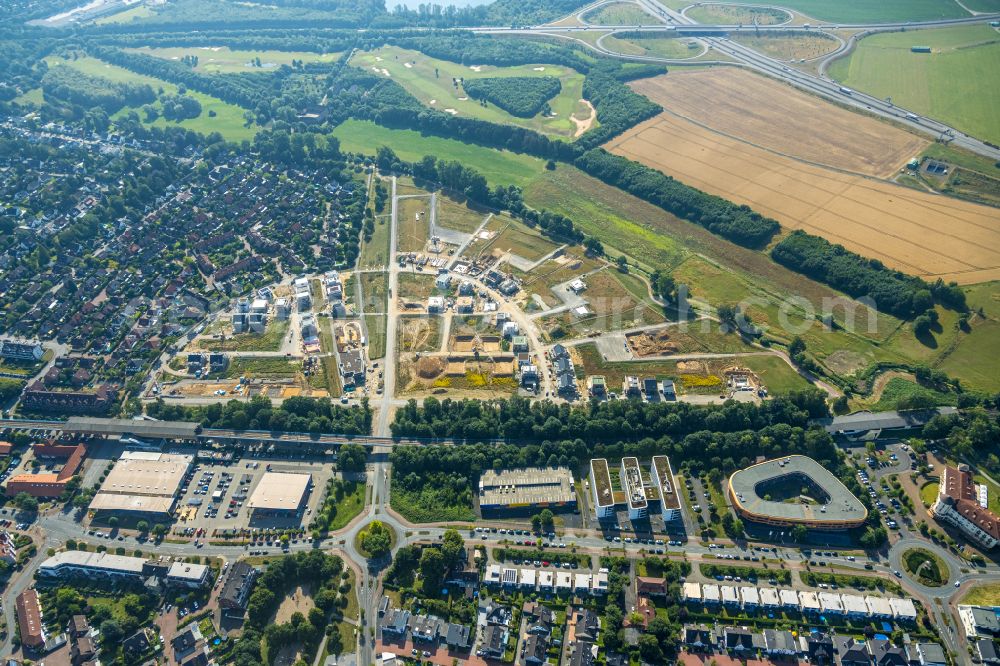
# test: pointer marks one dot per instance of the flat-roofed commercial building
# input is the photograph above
(95, 565)
(144, 483)
(758, 493)
(635, 494)
(185, 574)
(600, 485)
(670, 501)
(526, 488)
(280, 493)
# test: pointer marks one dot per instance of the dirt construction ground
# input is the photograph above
(771, 115)
(922, 234)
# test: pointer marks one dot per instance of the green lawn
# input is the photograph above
(661, 47)
(269, 340)
(897, 389)
(950, 84)
(871, 11)
(228, 121)
(929, 492)
(735, 15)
(349, 505)
(222, 59)
(499, 167)
(434, 83)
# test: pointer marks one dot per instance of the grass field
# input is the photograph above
(452, 214)
(619, 13)
(376, 335)
(945, 84)
(863, 11)
(228, 121)
(499, 167)
(261, 367)
(350, 505)
(142, 11)
(735, 15)
(415, 286)
(375, 252)
(223, 60)
(790, 46)
(374, 290)
(986, 594)
(974, 358)
(777, 376)
(413, 224)
(436, 83)
(661, 47)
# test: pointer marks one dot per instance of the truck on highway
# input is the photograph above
(912, 116)
(846, 91)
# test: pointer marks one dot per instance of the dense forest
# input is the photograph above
(892, 291)
(71, 85)
(521, 96)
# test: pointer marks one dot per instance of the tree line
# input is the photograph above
(295, 414)
(739, 224)
(897, 293)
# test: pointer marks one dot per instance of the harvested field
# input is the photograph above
(777, 117)
(916, 232)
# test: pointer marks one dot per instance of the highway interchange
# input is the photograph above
(746, 57)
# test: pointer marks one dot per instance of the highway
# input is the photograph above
(677, 23)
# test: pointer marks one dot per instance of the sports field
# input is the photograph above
(222, 59)
(435, 83)
(871, 11)
(228, 120)
(780, 118)
(957, 83)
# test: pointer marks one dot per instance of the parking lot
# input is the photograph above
(214, 496)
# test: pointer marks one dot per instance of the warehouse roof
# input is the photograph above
(863, 421)
(141, 427)
(526, 486)
(280, 491)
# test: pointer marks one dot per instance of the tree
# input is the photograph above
(376, 539)
(800, 533)
(536, 523)
(111, 632)
(664, 287)
(113, 522)
(548, 520)
(649, 649)
(26, 502)
(432, 569)
(352, 457)
(142, 526)
(452, 548)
